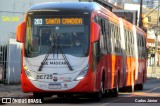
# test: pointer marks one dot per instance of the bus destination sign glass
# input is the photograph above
(58, 21)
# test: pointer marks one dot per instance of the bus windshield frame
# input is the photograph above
(71, 33)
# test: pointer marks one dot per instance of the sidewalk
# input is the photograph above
(12, 91)
(151, 73)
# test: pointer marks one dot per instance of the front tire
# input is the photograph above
(38, 96)
(98, 95)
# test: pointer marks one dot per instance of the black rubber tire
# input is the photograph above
(38, 96)
(115, 91)
(96, 97)
(139, 87)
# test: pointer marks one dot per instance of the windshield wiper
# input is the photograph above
(45, 58)
(65, 58)
(58, 48)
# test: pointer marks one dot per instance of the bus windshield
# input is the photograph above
(70, 34)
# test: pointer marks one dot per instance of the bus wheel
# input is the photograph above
(98, 95)
(115, 91)
(131, 88)
(38, 96)
(139, 86)
(60, 96)
(107, 93)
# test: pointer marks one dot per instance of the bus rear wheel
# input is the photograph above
(115, 91)
(139, 86)
(132, 87)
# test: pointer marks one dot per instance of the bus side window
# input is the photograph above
(100, 22)
(126, 41)
(96, 19)
(138, 44)
(104, 45)
(112, 37)
(108, 42)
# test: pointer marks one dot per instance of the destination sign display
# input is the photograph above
(58, 21)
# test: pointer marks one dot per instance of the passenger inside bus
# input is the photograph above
(45, 37)
(76, 39)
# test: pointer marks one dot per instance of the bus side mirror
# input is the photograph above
(20, 33)
(95, 32)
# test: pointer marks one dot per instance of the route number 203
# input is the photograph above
(37, 21)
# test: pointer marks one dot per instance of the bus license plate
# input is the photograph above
(54, 86)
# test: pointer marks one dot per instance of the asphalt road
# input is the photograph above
(138, 98)
(151, 91)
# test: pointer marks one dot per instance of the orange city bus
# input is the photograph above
(80, 48)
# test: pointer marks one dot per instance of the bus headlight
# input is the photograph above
(28, 73)
(82, 74)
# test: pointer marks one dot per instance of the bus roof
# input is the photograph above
(80, 7)
(66, 6)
